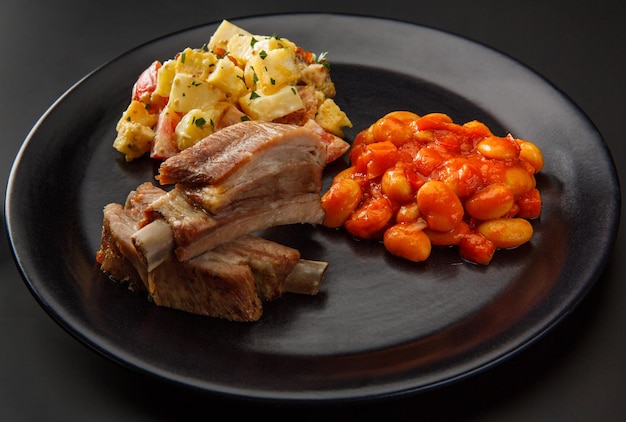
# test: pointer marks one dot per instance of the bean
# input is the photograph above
(408, 213)
(498, 148)
(478, 127)
(449, 238)
(396, 186)
(506, 232)
(494, 201)
(344, 174)
(439, 205)
(530, 153)
(402, 115)
(340, 201)
(391, 129)
(408, 241)
(519, 180)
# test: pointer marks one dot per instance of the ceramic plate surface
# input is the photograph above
(380, 326)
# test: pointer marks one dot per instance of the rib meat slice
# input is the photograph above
(257, 186)
(269, 261)
(206, 287)
(243, 151)
(243, 178)
(229, 282)
(196, 231)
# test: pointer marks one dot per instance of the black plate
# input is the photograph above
(380, 326)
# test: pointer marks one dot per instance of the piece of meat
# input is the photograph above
(246, 177)
(117, 255)
(239, 149)
(206, 287)
(229, 282)
(116, 227)
(258, 189)
(190, 247)
(196, 232)
(269, 261)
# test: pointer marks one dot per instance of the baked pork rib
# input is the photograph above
(190, 248)
(243, 178)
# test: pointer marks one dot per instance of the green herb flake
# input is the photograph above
(200, 121)
(263, 54)
(245, 118)
(253, 41)
(182, 57)
(254, 95)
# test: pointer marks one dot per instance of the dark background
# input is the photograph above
(576, 372)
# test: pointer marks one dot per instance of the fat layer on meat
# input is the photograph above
(239, 150)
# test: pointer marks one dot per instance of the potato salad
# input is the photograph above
(236, 76)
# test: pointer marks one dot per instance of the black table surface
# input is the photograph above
(576, 372)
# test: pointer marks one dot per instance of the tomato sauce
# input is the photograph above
(418, 181)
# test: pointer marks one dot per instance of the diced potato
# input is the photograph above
(273, 69)
(223, 33)
(229, 78)
(133, 140)
(137, 113)
(188, 93)
(240, 47)
(165, 77)
(271, 43)
(198, 63)
(332, 118)
(198, 124)
(269, 107)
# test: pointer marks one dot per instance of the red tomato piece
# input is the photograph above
(146, 83)
(164, 145)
